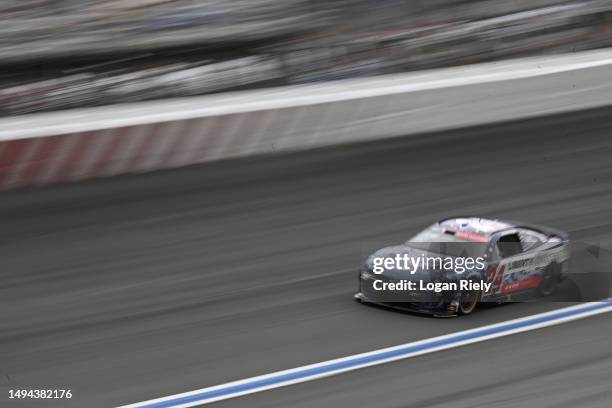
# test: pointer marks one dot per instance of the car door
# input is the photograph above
(515, 271)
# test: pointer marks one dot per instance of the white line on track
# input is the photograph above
(376, 357)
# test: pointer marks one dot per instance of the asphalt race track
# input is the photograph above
(137, 287)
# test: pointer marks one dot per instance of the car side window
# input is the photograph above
(509, 245)
(530, 240)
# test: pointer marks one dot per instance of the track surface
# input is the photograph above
(136, 287)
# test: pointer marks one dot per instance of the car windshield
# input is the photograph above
(451, 243)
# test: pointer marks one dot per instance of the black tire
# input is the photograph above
(550, 280)
(469, 300)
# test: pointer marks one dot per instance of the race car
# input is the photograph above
(457, 263)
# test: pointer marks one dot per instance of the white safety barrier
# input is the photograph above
(72, 145)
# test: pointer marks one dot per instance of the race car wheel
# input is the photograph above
(550, 279)
(469, 301)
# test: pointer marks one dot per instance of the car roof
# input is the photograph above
(475, 225)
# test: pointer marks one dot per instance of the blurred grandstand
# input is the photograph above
(61, 54)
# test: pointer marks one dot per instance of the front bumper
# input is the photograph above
(444, 304)
(443, 308)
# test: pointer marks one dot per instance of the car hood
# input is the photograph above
(390, 252)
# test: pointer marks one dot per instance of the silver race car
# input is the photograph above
(456, 263)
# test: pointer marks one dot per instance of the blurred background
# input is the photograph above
(61, 54)
(152, 283)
